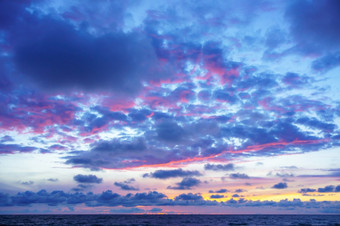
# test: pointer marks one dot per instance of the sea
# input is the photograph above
(215, 220)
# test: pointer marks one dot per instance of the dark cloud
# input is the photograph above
(14, 148)
(306, 190)
(107, 198)
(225, 96)
(186, 183)
(189, 197)
(11, 12)
(219, 167)
(223, 190)
(87, 179)
(274, 38)
(82, 187)
(6, 139)
(314, 24)
(125, 186)
(239, 176)
(108, 153)
(236, 195)
(165, 174)
(280, 185)
(294, 80)
(314, 123)
(57, 55)
(337, 188)
(170, 131)
(327, 62)
(329, 188)
(216, 196)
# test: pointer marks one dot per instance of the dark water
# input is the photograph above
(170, 220)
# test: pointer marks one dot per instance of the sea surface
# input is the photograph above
(170, 220)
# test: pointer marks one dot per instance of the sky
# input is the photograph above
(169, 107)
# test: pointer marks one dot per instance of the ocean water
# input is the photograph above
(170, 220)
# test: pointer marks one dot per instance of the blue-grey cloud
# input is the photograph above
(53, 179)
(15, 148)
(329, 188)
(307, 190)
(327, 62)
(186, 183)
(27, 182)
(125, 186)
(219, 167)
(216, 196)
(223, 190)
(57, 54)
(239, 176)
(165, 174)
(107, 198)
(189, 197)
(87, 179)
(280, 185)
(312, 32)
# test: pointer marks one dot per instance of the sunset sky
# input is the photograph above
(166, 107)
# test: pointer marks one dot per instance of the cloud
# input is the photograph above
(337, 188)
(82, 187)
(239, 176)
(186, 183)
(188, 197)
(219, 167)
(6, 139)
(27, 182)
(10, 12)
(314, 30)
(281, 174)
(307, 190)
(155, 210)
(53, 179)
(327, 62)
(107, 198)
(326, 189)
(14, 148)
(280, 185)
(107, 153)
(165, 174)
(107, 59)
(125, 186)
(235, 196)
(223, 190)
(216, 196)
(87, 179)
(170, 131)
(329, 188)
